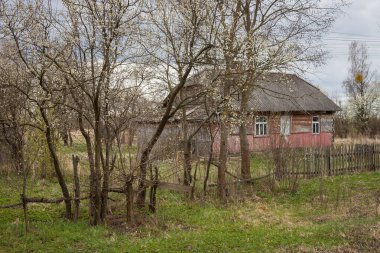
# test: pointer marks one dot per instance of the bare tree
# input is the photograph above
(27, 25)
(278, 36)
(78, 60)
(177, 44)
(361, 86)
(229, 43)
(13, 112)
(96, 57)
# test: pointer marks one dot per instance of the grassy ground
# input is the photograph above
(339, 216)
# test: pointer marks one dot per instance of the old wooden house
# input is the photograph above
(285, 110)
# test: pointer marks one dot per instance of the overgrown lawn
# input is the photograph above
(339, 215)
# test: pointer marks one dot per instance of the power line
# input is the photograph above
(352, 39)
(347, 37)
(356, 34)
(336, 45)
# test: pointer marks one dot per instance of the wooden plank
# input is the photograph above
(328, 157)
(377, 158)
(375, 151)
(351, 160)
(346, 161)
(343, 158)
(362, 162)
(374, 157)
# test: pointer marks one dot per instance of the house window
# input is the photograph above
(261, 125)
(285, 125)
(315, 124)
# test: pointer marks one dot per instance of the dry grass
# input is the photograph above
(358, 140)
(359, 239)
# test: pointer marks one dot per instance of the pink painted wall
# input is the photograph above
(301, 136)
(262, 143)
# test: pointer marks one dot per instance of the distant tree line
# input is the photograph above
(346, 127)
(361, 112)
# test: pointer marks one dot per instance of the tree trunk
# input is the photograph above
(167, 115)
(106, 176)
(57, 166)
(186, 146)
(144, 159)
(91, 161)
(23, 195)
(187, 163)
(244, 144)
(245, 154)
(25, 210)
(131, 135)
(223, 155)
(224, 134)
(61, 179)
(210, 157)
(141, 195)
(97, 191)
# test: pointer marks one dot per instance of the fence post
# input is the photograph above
(153, 189)
(309, 161)
(377, 157)
(328, 158)
(76, 187)
(129, 201)
(373, 157)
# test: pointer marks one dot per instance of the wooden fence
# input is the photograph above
(328, 161)
(305, 163)
(291, 163)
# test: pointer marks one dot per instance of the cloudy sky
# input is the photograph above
(360, 21)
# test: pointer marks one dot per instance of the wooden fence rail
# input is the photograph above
(329, 161)
(307, 162)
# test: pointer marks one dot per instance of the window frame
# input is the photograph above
(317, 123)
(263, 124)
(290, 125)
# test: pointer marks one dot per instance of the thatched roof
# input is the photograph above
(274, 92)
(287, 92)
(278, 92)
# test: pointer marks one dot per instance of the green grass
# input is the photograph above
(80, 147)
(77, 147)
(168, 172)
(278, 221)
